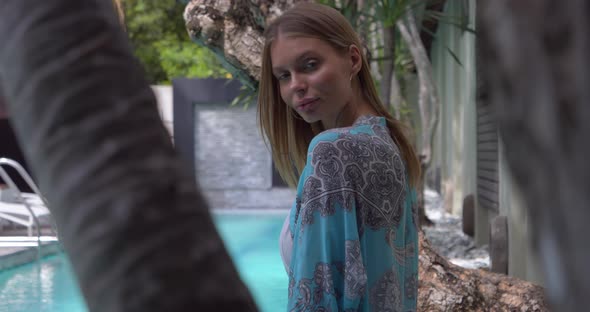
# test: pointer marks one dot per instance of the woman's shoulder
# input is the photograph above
(357, 131)
(330, 135)
(359, 134)
(333, 137)
(353, 144)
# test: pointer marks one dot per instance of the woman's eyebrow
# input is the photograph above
(304, 55)
(298, 59)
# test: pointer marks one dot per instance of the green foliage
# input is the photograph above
(160, 41)
(390, 11)
(246, 97)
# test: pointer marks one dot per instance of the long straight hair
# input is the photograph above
(287, 134)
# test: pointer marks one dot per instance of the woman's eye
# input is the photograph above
(283, 76)
(311, 64)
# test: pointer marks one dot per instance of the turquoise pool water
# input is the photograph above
(250, 239)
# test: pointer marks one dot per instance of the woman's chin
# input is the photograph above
(309, 117)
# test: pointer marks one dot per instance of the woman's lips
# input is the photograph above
(306, 105)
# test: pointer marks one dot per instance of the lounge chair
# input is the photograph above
(21, 207)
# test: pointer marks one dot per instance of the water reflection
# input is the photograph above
(47, 286)
(252, 240)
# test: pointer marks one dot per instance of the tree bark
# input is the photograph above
(233, 31)
(443, 286)
(396, 98)
(535, 62)
(3, 111)
(137, 231)
(428, 96)
(447, 287)
(428, 102)
(374, 42)
(387, 66)
(390, 87)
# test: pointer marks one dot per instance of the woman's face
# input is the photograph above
(314, 79)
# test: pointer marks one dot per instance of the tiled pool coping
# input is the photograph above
(11, 257)
(240, 211)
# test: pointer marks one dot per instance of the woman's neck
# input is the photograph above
(349, 114)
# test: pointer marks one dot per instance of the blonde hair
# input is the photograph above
(288, 135)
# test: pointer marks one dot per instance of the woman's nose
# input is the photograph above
(298, 84)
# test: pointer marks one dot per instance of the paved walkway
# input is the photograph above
(447, 236)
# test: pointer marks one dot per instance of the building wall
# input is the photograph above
(223, 147)
(456, 149)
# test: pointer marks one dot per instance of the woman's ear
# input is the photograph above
(355, 58)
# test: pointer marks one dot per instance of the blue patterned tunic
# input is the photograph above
(353, 226)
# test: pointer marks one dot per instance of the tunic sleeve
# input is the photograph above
(327, 267)
(327, 271)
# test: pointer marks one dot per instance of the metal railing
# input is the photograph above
(21, 199)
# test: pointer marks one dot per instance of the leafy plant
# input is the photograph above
(158, 35)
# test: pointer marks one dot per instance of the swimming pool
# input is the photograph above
(251, 239)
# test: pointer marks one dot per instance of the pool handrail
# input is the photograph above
(21, 199)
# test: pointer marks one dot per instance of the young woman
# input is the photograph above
(350, 242)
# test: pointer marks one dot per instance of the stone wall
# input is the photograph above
(223, 146)
(230, 152)
(233, 165)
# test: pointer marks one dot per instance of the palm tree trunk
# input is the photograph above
(428, 96)
(536, 66)
(137, 231)
(387, 64)
(428, 102)
(396, 98)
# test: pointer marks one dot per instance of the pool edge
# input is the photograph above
(249, 211)
(28, 255)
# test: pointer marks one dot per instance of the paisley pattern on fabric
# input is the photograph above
(411, 286)
(304, 299)
(386, 295)
(291, 285)
(363, 167)
(353, 225)
(324, 280)
(355, 275)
